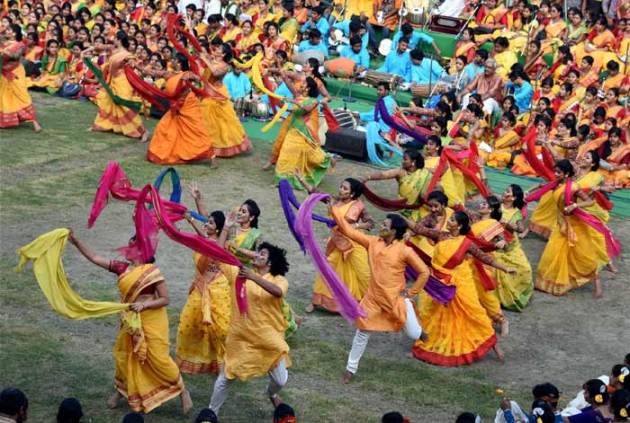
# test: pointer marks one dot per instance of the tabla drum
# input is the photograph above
(373, 78)
(302, 58)
(341, 67)
(345, 118)
(240, 106)
(259, 110)
(425, 90)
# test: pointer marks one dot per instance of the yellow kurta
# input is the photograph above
(255, 343)
(383, 303)
(348, 258)
(573, 255)
(204, 321)
(145, 372)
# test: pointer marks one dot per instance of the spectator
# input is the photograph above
(13, 406)
(206, 416)
(467, 417)
(394, 417)
(284, 413)
(70, 411)
(133, 418)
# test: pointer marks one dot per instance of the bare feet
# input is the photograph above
(186, 401)
(523, 234)
(36, 126)
(424, 337)
(499, 352)
(145, 137)
(612, 268)
(275, 400)
(505, 327)
(346, 377)
(309, 308)
(267, 166)
(597, 288)
(113, 401)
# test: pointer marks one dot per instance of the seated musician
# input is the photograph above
(357, 52)
(385, 15)
(237, 83)
(353, 27)
(415, 38)
(318, 21)
(423, 70)
(475, 67)
(314, 42)
(397, 61)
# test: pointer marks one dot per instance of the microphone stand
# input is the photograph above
(349, 98)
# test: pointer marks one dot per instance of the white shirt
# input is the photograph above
(451, 8)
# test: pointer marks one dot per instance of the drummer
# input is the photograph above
(353, 27)
(314, 42)
(415, 38)
(357, 53)
(318, 21)
(397, 61)
(423, 70)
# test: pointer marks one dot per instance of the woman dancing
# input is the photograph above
(16, 104)
(145, 372)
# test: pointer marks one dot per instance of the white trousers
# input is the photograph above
(490, 105)
(412, 329)
(278, 377)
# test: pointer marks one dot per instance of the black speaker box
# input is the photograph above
(347, 143)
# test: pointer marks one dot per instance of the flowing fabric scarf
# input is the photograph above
(203, 246)
(176, 193)
(119, 101)
(541, 167)
(613, 246)
(487, 281)
(46, 254)
(387, 204)
(349, 308)
(289, 203)
(434, 287)
(449, 157)
(194, 64)
(114, 181)
(381, 110)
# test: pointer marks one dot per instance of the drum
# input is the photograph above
(258, 110)
(240, 106)
(417, 17)
(425, 90)
(341, 67)
(345, 118)
(340, 39)
(373, 78)
(302, 58)
(385, 46)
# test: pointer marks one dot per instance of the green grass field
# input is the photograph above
(48, 181)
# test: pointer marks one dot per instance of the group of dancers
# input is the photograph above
(447, 258)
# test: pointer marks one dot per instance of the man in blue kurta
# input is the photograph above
(314, 42)
(237, 83)
(376, 128)
(423, 70)
(318, 21)
(416, 38)
(357, 53)
(397, 61)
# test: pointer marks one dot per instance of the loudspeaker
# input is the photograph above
(348, 143)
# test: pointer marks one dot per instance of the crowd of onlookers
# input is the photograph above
(605, 399)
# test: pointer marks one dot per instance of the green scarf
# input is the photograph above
(119, 101)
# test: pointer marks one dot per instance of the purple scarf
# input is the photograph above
(288, 203)
(349, 308)
(381, 109)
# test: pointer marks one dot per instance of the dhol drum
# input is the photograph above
(345, 118)
(341, 67)
(425, 90)
(373, 78)
(302, 58)
(258, 110)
